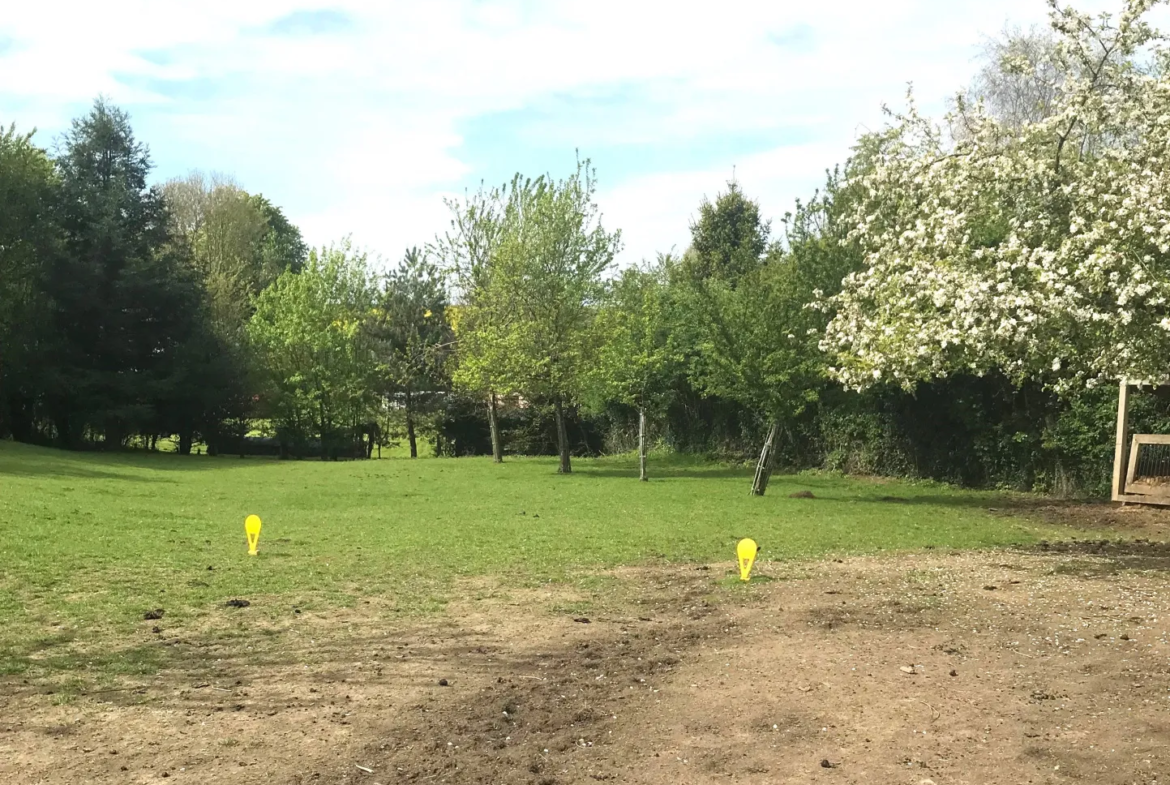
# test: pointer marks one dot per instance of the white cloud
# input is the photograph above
(361, 130)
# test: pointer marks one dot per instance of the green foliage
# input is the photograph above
(546, 276)
(129, 313)
(121, 306)
(29, 244)
(411, 337)
(226, 249)
(468, 253)
(125, 301)
(756, 350)
(410, 325)
(308, 332)
(755, 336)
(239, 243)
(282, 247)
(636, 360)
(729, 239)
(529, 259)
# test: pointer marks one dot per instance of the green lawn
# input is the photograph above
(89, 542)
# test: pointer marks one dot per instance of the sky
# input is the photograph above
(360, 117)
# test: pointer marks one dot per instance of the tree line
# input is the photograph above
(122, 305)
(947, 305)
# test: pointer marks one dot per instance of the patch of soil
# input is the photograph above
(1104, 518)
(891, 669)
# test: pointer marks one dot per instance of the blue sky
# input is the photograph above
(358, 117)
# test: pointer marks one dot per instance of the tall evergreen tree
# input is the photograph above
(729, 239)
(124, 299)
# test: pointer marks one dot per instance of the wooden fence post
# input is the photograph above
(1122, 435)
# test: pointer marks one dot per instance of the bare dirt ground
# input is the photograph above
(1045, 665)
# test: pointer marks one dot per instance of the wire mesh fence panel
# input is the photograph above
(1149, 465)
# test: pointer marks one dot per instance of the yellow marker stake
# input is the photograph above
(252, 528)
(746, 552)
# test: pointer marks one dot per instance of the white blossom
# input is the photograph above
(1069, 289)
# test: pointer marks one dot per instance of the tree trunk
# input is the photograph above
(642, 445)
(5, 418)
(584, 436)
(767, 462)
(185, 439)
(20, 420)
(494, 423)
(113, 437)
(410, 436)
(563, 440)
(61, 428)
(324, 430)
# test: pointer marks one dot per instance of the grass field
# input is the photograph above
(90, 542)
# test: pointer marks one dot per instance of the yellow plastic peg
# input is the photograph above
(252, 528)
(746, 552)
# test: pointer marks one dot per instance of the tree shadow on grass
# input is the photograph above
(666, 472)
(171, 462)
(676, 467)
(13, 469)
(1001, 504)
(22, 461)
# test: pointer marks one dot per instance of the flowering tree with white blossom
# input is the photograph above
(1040, 249)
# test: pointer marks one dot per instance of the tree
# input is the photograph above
(412, 336)
(125, 301)
(547, 276)
(729, 239)
(1019, 82)
(756, 352)
(1041, 249)
(757, 338)
(308, 331)
(239, 242)
(468, 252)
(636, 360)
(729, 242)
(225, 247)
(29, 243)
(282, 247)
